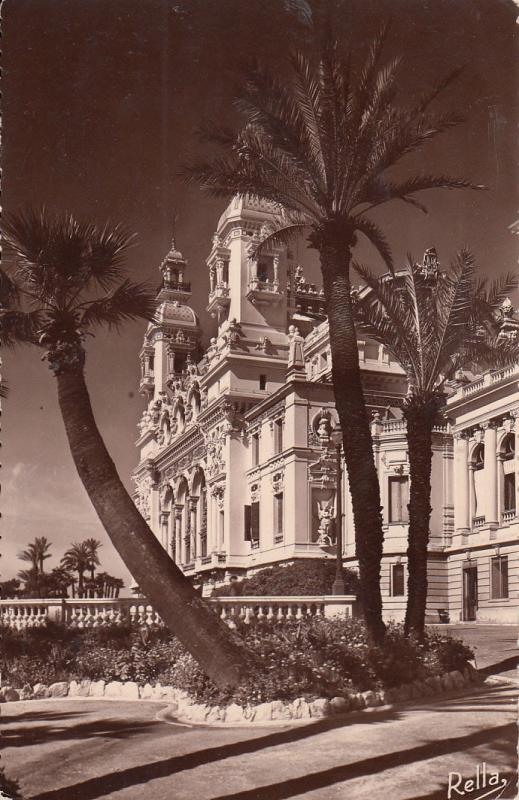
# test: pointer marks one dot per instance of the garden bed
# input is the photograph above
(310, 668)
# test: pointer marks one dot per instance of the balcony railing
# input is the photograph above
(478, 522)
(508, 515)
(99, 613)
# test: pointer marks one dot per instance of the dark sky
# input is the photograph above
(101, 101)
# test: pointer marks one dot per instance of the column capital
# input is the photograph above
(489, 424)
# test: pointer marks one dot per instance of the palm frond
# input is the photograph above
(20, 327)
(129, 301)
(9, 291)
(372, 232)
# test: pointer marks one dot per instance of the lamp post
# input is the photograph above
(338, 584)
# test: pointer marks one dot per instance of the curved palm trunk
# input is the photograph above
(420, 422)
(169, 591)
(358, 444)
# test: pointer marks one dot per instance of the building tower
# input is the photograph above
(172, 339)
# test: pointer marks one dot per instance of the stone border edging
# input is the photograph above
(186, 711)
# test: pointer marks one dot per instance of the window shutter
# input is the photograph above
(246, 523)
(254, 522)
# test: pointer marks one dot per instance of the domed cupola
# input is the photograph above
(173, 268)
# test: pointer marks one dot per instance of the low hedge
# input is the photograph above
(313, 576)
(310, 658)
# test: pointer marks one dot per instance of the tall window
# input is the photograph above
(509, 491)
(398, 498)
(262, 382)
(278, 436)
(397, 588)
(478, 462)
(255, 449)
(255, 524)
(508, 472)
(499, 577)
(278, 514)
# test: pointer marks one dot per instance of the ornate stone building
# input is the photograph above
(236, 467)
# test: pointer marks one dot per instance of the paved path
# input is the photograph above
(78, 749)
(495, 646)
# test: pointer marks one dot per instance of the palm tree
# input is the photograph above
(434, 323)
(29, 577)
(63, 279)
(76, 559)
(60, 579)
(317, 146)
(92, 546)
(37, 552)
(30, 555)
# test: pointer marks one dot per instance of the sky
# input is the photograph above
(101, 105)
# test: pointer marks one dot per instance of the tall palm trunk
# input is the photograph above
(358, 444)
(173, 597)
(421, 416)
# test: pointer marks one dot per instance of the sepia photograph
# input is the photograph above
(259, 331)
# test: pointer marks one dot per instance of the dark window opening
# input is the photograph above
(499, 571)
(262, 381)
(397, 580)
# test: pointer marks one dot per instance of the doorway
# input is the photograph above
(470, 592)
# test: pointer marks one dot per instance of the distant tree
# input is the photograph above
(31, 581)
(76, 559)
(60, 580)
(10, 588)
(36, 552)
(92, 547)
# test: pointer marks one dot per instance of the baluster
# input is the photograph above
(249, 612)
(133, 614)
(270, 613)
(149, 615)
(299, 612)
(223, 614)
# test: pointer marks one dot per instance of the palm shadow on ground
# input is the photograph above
(500, 738)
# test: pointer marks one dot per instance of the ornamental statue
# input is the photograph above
(325, 529)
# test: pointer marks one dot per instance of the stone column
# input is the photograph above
(462, 511)
(212, 278)
(491, 505)
(275, 263)
(193, 526)
(173, 537)
(179, 535)
(164, 533)
(219, 272)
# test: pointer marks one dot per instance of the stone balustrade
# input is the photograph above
(76, 612)
(98, 612)
(280, 609)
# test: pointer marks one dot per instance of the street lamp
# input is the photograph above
(338, 584)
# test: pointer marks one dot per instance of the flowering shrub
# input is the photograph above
(308, 658)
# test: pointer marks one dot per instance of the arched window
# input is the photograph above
(478, 467)
(508, 477)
